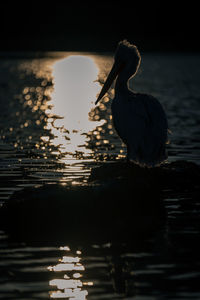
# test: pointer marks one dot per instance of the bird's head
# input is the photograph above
(127, 58)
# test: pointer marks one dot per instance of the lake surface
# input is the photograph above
(52, 135)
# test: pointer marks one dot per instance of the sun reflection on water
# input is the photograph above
(71, 286)
(58, 123)
(73, 97)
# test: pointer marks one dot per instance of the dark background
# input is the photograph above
(99, 25)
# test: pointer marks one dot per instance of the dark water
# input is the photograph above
(49, 148)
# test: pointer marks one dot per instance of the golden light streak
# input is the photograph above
(71, 285)
(75, 90)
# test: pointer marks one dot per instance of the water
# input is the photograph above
(49, 148)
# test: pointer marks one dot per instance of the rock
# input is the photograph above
(120, 202)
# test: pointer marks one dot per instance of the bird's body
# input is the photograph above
(139, 119)
(141, 123)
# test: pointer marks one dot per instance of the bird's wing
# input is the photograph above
(149, 109)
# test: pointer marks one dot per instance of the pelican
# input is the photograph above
(138, 118)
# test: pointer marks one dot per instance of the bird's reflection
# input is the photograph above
(74, 91)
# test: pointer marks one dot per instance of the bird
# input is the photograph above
(138, 118)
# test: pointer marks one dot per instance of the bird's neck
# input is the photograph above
(121, 85)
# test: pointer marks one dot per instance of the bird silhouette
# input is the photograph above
(138, 118)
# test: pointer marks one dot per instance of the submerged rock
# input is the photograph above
(120, 202)
(178, 174)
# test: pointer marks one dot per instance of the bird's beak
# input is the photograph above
(111, 77)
